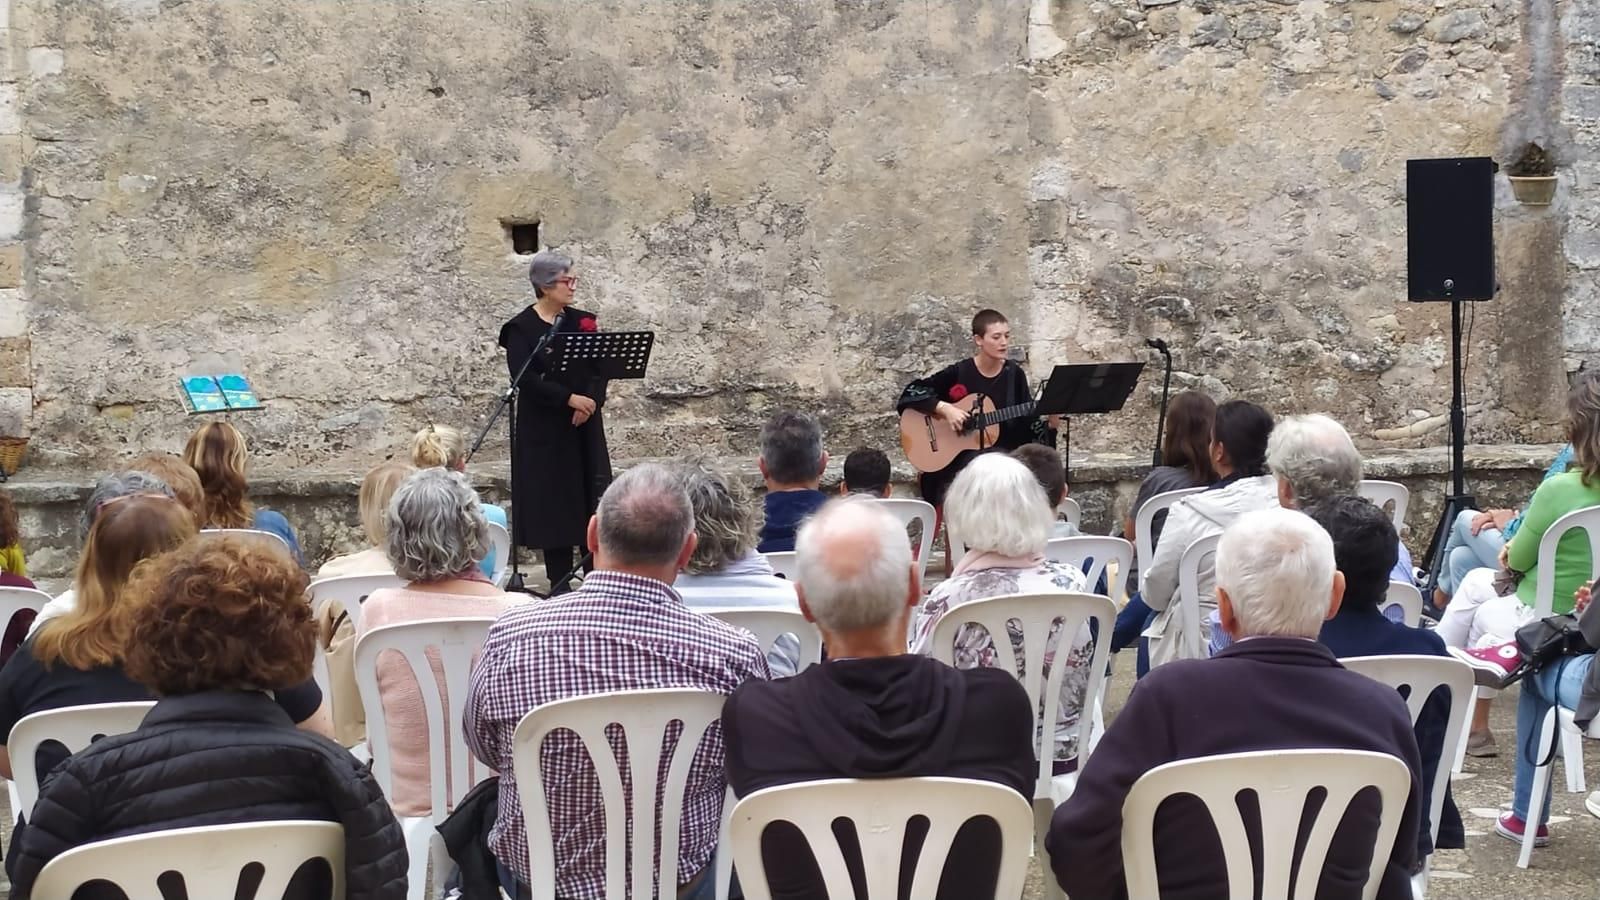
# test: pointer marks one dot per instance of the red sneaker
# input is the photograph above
(1491, 666)
(1511, 827)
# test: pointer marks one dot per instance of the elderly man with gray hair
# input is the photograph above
(872, 710)
(792, 461)
(625, 629)
(1276, 585)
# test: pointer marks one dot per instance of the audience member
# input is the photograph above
(441, 445)
(212, 627)
(1239, 456)
(792, 462)
(866, 471)
(625, 629)
(177, 475)
(1484, 615)
(1051, 473)
(13, 573)
(1476, 538)
(372, 505)
(725, 569)
(1276, 584)
(436, 536)
(78, 657)
(996, 507)
(873, 711)
(218, 454)
(1364, 543)
(1185, 463)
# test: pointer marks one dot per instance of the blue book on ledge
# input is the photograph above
(217, 393)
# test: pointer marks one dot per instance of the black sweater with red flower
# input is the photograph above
(960, 380)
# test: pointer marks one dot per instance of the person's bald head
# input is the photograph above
(854, 566)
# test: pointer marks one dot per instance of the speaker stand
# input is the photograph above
(1459, 499)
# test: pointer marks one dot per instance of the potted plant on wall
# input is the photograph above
(1533, 176)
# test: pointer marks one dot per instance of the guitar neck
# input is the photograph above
(1003, 414)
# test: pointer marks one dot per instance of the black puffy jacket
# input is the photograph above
(214, 758)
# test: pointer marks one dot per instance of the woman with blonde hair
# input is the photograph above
(446, 447)
(218, 454)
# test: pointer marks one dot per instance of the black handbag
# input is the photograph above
(1546, 640)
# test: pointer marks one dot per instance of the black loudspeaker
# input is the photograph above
(1450, 228)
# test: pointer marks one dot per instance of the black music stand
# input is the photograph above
(1086, 389)
(601, 354)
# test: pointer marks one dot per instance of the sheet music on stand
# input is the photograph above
(611, 355)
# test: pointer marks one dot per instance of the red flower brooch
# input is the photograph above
(957, 392)
(588, 324)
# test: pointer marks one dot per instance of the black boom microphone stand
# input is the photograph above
(1166, 385)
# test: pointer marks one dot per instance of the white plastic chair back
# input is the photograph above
(349, 590)
(769, 624)
(644, 717)
(1381, 493)
(1035, 613)
(275, 539)
(881, 809)
(1545, 570)
(1408, 598)
(75, 727)
(17, 599)
(956, 548)
(210, 859)
(1070, 510)
(1281, 779)
(456, 642)
(500, 540)
(782, 563)
(1189, 565)
(919, 511)
(1143, 541)
(1417, 677)
(1077, 551)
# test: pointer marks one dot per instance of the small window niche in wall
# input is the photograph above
(523, 235)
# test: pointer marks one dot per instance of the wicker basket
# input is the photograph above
(11, 451)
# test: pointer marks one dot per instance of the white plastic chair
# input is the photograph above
(1281, 780)
(1558, 721)
(880, 810)
(1070, 510)
(500, 539)
(1408, 598)
(210, 859)
(782, 563)
(74, 727)
(1035, 613)
(909, 511)
(1189, 565)
(348, 591)
(1076, 551)
(1144, 546)
(1416, 678)
(644, 717)
(276, 539)
(451, 769)
(770, 625)
(1383, 492)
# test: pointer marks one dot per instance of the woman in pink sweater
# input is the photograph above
(436, 537)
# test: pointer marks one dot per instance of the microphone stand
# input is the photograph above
(1166, 386)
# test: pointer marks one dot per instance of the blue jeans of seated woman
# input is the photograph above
(1465, 551)
(1560, 682)
(1131, 623)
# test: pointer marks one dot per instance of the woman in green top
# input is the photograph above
(1481, 616)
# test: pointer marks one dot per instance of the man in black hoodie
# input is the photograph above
(872, 710)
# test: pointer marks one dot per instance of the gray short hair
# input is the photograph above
(645, 516)
(436, 528)
(996, 505)
(115, 485)
(1315, 455)
(853, 564)
(545, 267)
(1277, 567)
(791, 447)
(726, 518)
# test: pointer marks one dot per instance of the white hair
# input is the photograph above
(997, 506)
(1316, 456)
(1277, 567)
(853, 563)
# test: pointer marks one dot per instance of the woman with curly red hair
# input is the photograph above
(213, 628)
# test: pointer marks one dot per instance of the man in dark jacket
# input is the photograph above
(873, 711)
(792, 461)
(1276, 584)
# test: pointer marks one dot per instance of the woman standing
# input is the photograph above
(561, 465)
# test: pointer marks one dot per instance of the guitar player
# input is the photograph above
(989, 372)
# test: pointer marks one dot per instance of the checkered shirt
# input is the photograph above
(617, 633)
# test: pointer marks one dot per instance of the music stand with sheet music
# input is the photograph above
(611, 355)
(1086, 389)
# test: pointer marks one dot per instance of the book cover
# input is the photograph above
(202, 393)
(236, 391)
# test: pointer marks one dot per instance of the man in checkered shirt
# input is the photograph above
(626, 629)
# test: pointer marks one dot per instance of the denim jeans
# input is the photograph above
(1560, 682)
(1131, 623)
(1465, 551)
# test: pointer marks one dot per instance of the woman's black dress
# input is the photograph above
(561, 471)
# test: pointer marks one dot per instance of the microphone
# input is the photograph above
(1156, 344)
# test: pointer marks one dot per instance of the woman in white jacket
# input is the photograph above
(1239, 454)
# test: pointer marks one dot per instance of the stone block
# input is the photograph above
(13, 313)
(46, 61)
(1457, 25)
(16, 362)
(11, 266)
(16, 411)
(10, 114)
(11, 213)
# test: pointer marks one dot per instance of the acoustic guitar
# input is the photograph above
(931, 444)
